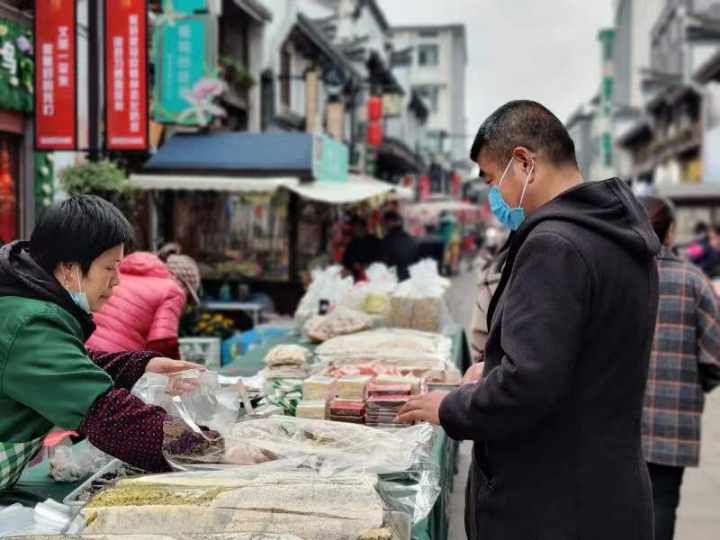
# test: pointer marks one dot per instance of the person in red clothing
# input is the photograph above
(144, 311)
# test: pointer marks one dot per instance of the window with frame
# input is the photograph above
(285, 77)
(431, 94)
(428, 55)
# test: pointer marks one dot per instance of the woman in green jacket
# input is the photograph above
(49, 288)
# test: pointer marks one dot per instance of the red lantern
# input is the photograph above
(374, 134)
(374, 108)
(456, 183)
(424, 187)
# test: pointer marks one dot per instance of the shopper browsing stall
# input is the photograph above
(49, 288)
(556, 417)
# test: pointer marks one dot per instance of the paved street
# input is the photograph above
(699, 513)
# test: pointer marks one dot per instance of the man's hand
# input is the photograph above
(473, 374)
(168, 366)
(425, 408)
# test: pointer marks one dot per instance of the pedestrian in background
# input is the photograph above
(685, 364)
(399, 249)
(145, 309)
(362, 251)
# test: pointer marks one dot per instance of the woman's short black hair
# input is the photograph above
(78, 230)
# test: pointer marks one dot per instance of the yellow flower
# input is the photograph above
(3, 30)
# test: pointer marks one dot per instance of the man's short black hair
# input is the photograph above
(391, 216)
(524, 123)
(700, 228)
(78, 230)
(358, 221)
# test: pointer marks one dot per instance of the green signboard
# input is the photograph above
(185, 6)
(16, 67)
(331, 159)
(186, 84)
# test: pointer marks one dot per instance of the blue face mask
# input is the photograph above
(511, 218)
(80, 298)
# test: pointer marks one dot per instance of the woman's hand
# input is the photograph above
(173, 369)
(168, 366)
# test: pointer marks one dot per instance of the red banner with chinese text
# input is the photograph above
(55, 75)
(126, 94)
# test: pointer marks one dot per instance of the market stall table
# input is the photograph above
(36, 485)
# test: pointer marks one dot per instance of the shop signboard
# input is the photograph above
(55, 75)
(331, 159)
(126, 112)
(187, 85)
(185, 6)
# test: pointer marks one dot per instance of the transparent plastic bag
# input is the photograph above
(70, 463)
(373, 296)
(328, 285)
(419, 302)
(207, 402)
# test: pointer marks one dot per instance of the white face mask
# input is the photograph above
(80, 298)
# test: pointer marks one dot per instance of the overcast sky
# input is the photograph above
(546, 50)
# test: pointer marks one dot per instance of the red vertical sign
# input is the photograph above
(126, 97)
(55, 75)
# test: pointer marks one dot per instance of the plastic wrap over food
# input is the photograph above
(325, 446)
(205, 401)
(160, 536)
(304, 504)
(340, 321)
(390, 346)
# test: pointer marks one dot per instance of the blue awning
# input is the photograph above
(240, 153)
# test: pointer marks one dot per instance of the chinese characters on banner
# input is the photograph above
(184, 91)
(55, 75)
(126, 74)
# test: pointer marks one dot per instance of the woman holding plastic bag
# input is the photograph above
(49, 288)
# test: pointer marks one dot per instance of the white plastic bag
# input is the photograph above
(328, 285)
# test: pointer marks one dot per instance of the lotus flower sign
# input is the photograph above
(187, 84)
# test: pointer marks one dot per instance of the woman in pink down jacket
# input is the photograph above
(144, 311)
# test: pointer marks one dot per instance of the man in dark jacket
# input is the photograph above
(556, 415)
(362, 251)
(399, 249)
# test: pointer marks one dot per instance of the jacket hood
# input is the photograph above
(607, 207)
(142, 263)
(21, 276)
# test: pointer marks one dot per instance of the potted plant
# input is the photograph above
(102, 178)
(236, 74)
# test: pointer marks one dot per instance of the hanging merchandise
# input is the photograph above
(8, 202)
